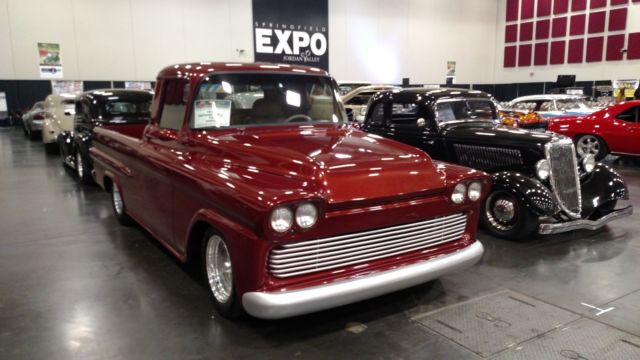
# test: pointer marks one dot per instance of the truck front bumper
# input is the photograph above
(281, 304)
(561, 227)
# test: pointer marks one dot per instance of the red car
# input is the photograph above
(253, 170)
(613, 130)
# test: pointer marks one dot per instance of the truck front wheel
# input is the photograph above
(506, 216)
(218, 271)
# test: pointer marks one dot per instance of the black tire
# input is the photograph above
(32, 135)
(598, 147)
(83, 169)
(226, 304)
(51, 148)
(494, 217)
(119, 210)
(26, 132)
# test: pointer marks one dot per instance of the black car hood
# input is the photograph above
(492, 134)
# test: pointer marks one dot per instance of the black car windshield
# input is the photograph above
(265, 99)
(447, 110)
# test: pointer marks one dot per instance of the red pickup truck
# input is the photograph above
(252, 171)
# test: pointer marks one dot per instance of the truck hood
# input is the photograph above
(344, 163)
(487, 133)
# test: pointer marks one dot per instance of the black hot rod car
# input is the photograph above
(126, 109)
(539, 183)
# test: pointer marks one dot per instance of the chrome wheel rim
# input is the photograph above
(219, 271)
(501, 211)
(588, 145)
(118, 205)
(79, 166)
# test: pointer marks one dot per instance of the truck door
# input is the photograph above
(159, 155)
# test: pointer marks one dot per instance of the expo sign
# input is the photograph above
(294, 45)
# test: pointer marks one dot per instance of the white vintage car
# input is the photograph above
(552, 105)
(357, 99)
(59, 111)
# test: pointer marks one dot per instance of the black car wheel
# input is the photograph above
(218, 272)
(117, 203)
(83, 169)
(590, 145)
(506, 216)
(32, 135)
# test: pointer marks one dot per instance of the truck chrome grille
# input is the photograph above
(487, 158)
(564, 177)
(351, 249)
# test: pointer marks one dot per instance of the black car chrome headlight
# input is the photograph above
(588, 163)
(542, 169)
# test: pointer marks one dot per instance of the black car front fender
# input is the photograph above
(603, 185)
(530, 191)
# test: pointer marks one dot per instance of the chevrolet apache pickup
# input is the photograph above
(253, 172)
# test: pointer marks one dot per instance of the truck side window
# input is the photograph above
(174, 104)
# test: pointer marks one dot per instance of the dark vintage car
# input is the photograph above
(252, 170)
(538, 181)
(127, 110)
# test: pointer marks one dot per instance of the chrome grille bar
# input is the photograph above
(564, 177)
(339, 251)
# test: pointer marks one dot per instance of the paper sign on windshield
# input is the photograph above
(212, 113)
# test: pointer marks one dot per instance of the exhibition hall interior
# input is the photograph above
(320, 179)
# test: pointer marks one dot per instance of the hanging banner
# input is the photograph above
(50, 63)
(291, 32)
(137, 85)
(60, 87)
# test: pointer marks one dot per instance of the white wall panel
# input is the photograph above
(103, 31)
(34, 21)
(6, 55)
(376, 40)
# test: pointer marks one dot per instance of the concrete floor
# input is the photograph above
(76, 285)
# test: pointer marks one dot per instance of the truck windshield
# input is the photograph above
(465, 109)
(265, 99)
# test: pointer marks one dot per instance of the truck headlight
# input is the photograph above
(459, 193)
(306, 215)
(281, 219)
(589, 163)
(475, 191)
(543, 169)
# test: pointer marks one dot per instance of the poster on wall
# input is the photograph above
(66, 86)
(291, 32)
(137, 85)
(624, 89)
(50, 63)
(4, 111)
(451, 72)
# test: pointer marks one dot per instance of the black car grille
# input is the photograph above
(564, 177)
(487, 158)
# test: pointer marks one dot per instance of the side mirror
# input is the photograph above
(350, 115)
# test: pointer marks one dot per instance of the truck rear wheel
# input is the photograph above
(218, 272)
(119, 209)
(506, 216)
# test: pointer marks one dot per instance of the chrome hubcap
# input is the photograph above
(504, 210)
(79, 166)
(117, 200)
(218, 267)
(501, 211)
(588, 144)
